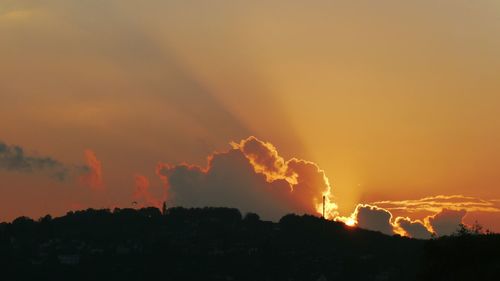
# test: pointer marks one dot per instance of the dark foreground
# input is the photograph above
(218, 244)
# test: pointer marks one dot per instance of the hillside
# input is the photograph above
(221, 244)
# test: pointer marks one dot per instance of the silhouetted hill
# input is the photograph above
(221, 244)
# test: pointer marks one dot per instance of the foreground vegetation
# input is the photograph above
(221, 244)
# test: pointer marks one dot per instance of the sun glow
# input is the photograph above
(350, 222)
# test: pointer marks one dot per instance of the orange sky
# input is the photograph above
(394, 100)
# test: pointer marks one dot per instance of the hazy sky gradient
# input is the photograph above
(395, 100)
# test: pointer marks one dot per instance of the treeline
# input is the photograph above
(223, 244)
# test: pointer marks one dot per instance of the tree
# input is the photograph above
(251, 218)
(475, 229)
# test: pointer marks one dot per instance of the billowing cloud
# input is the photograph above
(373, 218)
(93, 178)
(253, 177)
(414, 229)
(264, 158)
(306, 179)
(446, 222)
(14, 158)
(143, 194)
(440, 214)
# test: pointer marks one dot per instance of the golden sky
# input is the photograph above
(394, 100)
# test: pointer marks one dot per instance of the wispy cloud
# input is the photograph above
(437, 203)
(14, 158)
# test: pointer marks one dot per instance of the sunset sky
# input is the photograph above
(396, 102)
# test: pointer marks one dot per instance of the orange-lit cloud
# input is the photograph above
(142, 192)
(93, 178)
(446, 222)
(373, 218)
(306, 179)
(253, 177)
(437, 203)
(441, 214)
(412, 228)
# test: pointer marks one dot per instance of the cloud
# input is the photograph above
(264, 158)
(306, 179)
(446, 222)
(437, 203)
(440, 214)
(373, 218)
(253, 177)
(414, 229)
(14, 158)
(93, 178)
(142, 192)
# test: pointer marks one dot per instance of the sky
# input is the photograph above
(121, 103)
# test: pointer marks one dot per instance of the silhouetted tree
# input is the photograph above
(217, 244)
(252, 218)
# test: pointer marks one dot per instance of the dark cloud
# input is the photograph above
(251, 182)
(447, 221)
(414, 229)
(14, 158)
(374, 218)
(230, 181)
